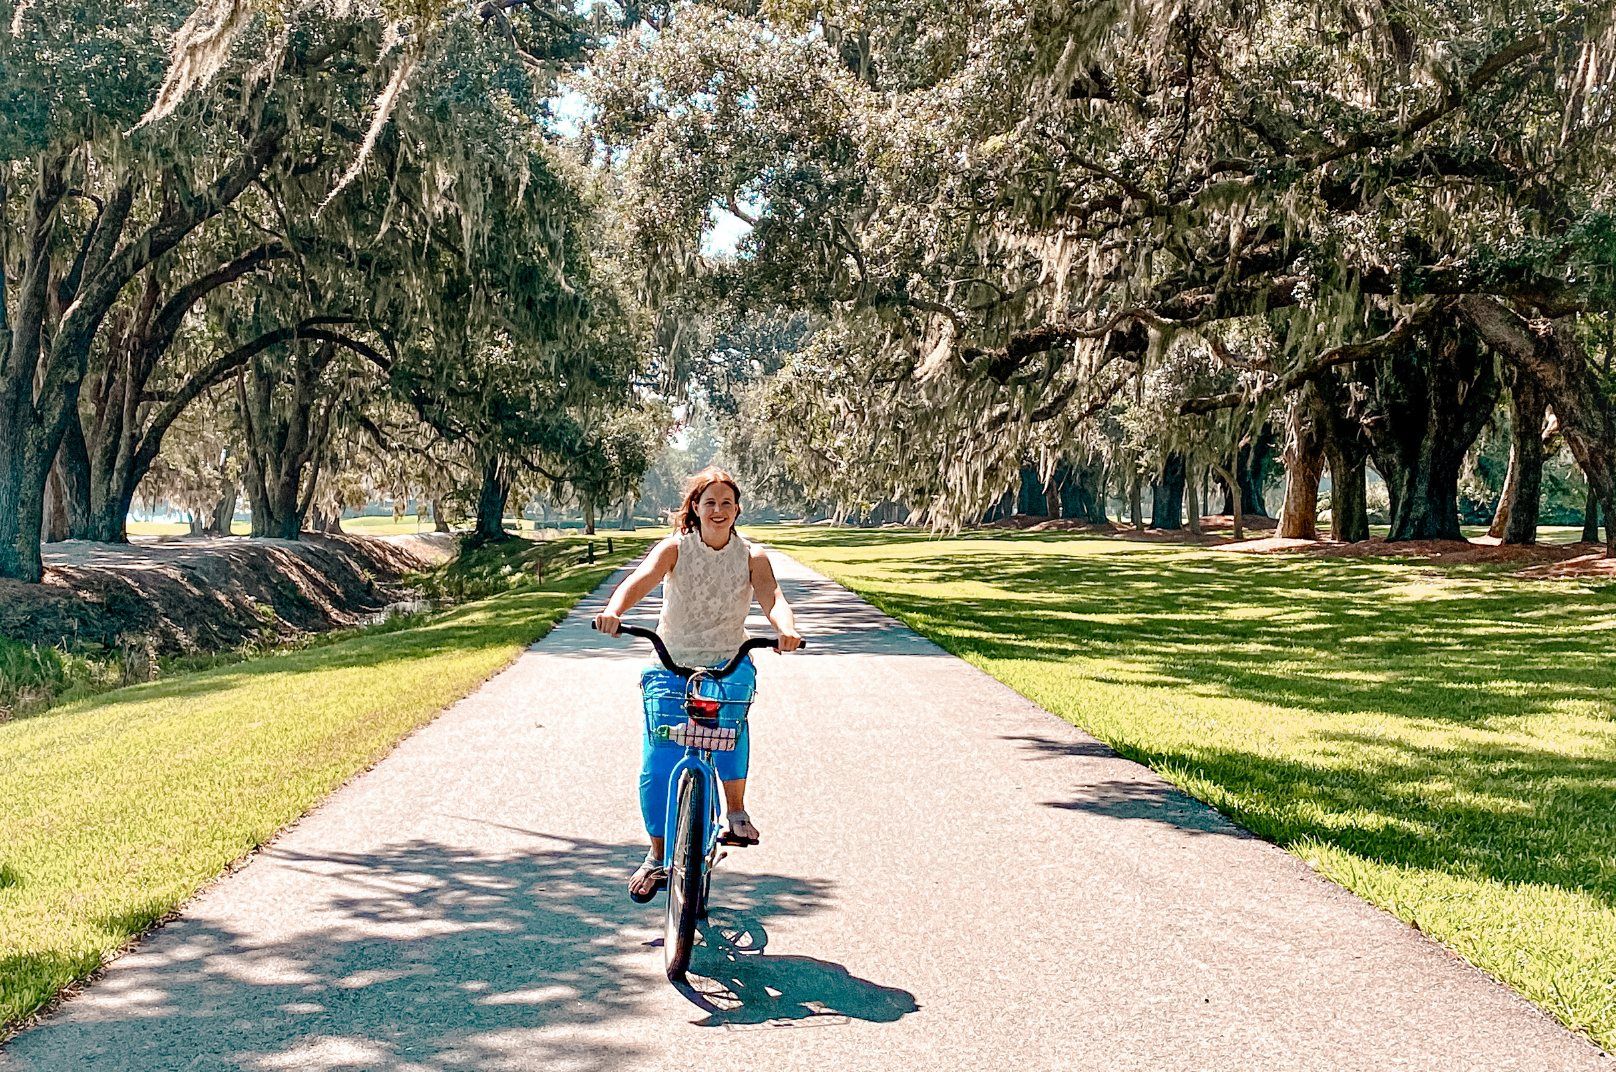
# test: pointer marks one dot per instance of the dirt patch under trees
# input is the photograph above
(1544, 561)
(183, 595)
(1213, 526)
(1538, 561)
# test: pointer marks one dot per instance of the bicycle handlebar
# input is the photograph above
(751, 644)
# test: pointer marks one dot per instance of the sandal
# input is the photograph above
(650, 868)
(738, 830)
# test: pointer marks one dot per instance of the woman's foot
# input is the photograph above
(648, 879)
(738, 829)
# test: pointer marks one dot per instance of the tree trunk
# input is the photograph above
(24, 470)
(589, 517)
(1551, 353)
(1001, 509)
(1078, 493)
(1192, 504)
(1431, 401)
(31, 432)
(224, 512)
(55, 528)
(1590, 518)
(1167, 495)
(273, 492)
(491, 499)
(286, 438)
(627, 522)
(1304, 464)
(439, 522)
(1250, 500)
(1341, 434)
(1136, 505)
(1030, 496)
(326, 521)
(74, 474)
(1506, 497)
(1515, 521)
(1238, 512)
(1251, 470)
(1349, 494)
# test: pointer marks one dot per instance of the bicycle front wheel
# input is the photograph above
(685, 876)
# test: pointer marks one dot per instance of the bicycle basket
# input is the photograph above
(704, 735)
(711, 719)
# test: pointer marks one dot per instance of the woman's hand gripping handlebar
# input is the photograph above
(687, 671)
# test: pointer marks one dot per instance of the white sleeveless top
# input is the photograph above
(705, 600)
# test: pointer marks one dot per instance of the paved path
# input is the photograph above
(950, 878)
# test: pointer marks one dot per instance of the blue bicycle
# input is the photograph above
(710, 720)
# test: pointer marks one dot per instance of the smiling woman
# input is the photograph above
(709, 575)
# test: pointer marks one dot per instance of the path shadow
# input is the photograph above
(1125, 798)
(737, 984)
(422, 955)
(1050, 748)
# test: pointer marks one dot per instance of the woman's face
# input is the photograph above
(717, 508)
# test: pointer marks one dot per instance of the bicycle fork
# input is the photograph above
(692, 761)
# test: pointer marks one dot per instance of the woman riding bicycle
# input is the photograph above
(710, 574)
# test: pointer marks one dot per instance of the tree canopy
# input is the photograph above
(1008, 215)
(337, 208)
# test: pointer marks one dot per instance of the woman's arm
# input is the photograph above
(769, 597)
(637, 585)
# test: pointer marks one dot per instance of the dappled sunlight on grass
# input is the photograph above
(1441, 741)
(114, 810)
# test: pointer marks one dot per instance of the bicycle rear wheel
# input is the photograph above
(685, 876)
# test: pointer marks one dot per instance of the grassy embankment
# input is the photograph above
(1441, 742)
(115, 810)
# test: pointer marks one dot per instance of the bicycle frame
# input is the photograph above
(701, 762)
(691, 879)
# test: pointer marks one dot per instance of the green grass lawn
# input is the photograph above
(1546, 534)
(177, 528)
(1440, 741)
(115, 810)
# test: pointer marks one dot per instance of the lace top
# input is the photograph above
(705, 600)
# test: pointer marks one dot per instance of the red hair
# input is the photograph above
(695, 488)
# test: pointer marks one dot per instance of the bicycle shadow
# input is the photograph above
(739, 985)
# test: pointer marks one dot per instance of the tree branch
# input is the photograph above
(1345, 354)
(167, 321)
(1456, 96)
(215, 373)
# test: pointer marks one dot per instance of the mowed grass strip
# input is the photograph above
(113, 811)
(1440, 741)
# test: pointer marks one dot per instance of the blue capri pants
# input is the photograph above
(664, 693)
